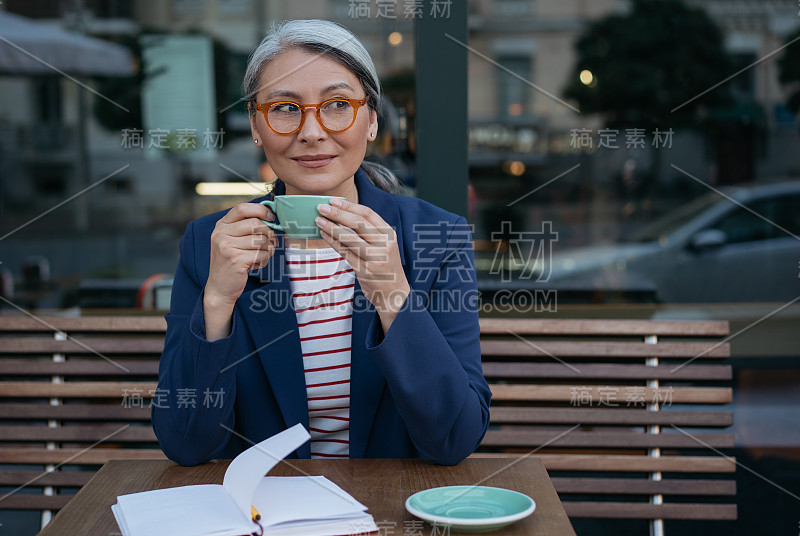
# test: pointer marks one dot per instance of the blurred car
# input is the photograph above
(740, 246)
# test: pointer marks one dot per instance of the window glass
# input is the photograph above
(771, 218)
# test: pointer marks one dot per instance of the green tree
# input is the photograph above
(648, 64)
(789, 65)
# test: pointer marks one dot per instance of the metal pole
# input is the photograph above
(441, 100)
(82, 171)
(82, 168)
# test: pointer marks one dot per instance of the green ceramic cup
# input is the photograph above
(296, 214)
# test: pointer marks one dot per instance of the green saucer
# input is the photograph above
(470, 508)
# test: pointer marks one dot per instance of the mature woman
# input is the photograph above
(369, 336)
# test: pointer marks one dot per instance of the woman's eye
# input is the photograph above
(338, 105)
(286, 107)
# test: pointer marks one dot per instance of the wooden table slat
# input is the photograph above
(75, 456)
(519, 437)
(591, 371)
(84, 345)
(617, 416)
(642, 486)
(113, 433)
(618, 394)
(32, 479)
(135, 324)
(719, 512)
(524, 326)
(566, 349)
(79, 367)
(65, 412)
(76, 389)
(512, 392)
(626, 463)
(29, 501)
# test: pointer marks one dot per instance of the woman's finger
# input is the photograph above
(348, 238)
(358, 210)
(230, 245)
(243, 211)
(362, 220)
(246, 227)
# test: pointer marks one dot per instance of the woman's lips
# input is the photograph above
(315, 163)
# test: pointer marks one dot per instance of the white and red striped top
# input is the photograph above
(322, 286)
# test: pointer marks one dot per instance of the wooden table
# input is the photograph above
(382, 485)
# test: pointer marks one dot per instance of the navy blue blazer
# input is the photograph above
(417, 391)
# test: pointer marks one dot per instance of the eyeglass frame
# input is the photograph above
(355, 103)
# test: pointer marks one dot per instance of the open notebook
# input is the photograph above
(311, 506)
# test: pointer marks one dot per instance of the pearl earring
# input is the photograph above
(255, 141)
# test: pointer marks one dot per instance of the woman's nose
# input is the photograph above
(311, 127)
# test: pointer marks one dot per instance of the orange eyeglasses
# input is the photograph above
(335, 115)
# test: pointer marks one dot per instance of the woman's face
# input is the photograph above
(313, 161)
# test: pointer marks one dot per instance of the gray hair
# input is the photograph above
(339, 44)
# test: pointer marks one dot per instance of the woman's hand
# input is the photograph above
(240, 242)
(369, 245)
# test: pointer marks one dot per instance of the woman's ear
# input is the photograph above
(252, 114)
(372, 130)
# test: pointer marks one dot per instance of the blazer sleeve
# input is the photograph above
(194, 414)
(431, 357)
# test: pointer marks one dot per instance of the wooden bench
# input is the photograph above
(607, 405)
(626, 415)
(75, 393)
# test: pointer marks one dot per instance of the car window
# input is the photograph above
(669, 223)
(765, 219)
(787, 215)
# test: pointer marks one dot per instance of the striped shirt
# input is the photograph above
(322, 287)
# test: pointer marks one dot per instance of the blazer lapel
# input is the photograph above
(267, 308)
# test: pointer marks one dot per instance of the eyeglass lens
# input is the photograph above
(335, 115)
